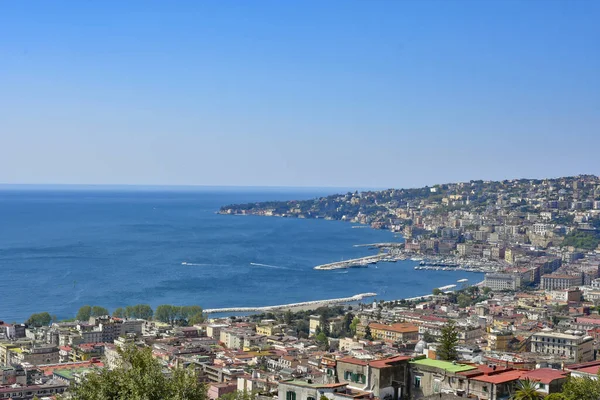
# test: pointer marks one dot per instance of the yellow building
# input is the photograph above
(313, 322)
(394, 333)
(499, 340)
(4, 352)
(268, 329)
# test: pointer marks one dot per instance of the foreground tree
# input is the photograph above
(239, 395)
(585, 388)
(527, 390)
(139, 377)
(448, 341)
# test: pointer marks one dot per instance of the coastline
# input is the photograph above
(305, 305)
(314, 304)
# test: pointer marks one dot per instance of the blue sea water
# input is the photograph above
(61, 249)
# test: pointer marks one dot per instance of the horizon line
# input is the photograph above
(172, 186)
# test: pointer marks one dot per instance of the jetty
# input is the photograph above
(381, 245)
(353, 263)
(356, 297)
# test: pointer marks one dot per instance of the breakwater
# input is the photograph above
(353, 263)
(357, 297)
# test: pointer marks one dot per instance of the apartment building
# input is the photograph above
(557, 282)
(572, 347)
(496, 281)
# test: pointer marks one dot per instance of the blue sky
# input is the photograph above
(298, 93)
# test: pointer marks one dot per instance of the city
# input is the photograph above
(533, 318)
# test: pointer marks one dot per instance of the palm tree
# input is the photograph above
(526, 390)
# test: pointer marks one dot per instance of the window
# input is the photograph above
(347, 375)
(417, 381)
(290, 395)
(310, 398)
(541, 386)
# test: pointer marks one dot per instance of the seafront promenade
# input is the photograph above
(317, 303)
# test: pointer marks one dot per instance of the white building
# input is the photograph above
(502, 281)
(573, 347)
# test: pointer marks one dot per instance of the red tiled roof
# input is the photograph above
(387, 362)
(545, 375)
(355, 361)
(398, 327)
(590, 370)
(502, 377)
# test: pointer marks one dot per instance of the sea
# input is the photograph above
(61, 248)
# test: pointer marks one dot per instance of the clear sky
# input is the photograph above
(372, 93)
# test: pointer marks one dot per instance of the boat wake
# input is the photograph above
(195, 264)
(267, 266)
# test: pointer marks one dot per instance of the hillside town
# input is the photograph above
(535, 318)
(387, 350)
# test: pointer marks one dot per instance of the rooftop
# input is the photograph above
(445, 365)
(545, 375)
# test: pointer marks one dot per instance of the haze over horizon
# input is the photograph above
(298, 94)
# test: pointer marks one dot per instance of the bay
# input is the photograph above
(61, 249)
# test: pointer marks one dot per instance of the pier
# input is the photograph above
(319, 303)
(353, 263)
(381, 245)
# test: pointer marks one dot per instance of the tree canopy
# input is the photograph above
(584, 388)
(527, 390)
(448, 341)
(179, 315)
(139, 377)
(39, 319)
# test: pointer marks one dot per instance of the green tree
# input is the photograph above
(288, 317)
(84, 313)
(187, 312)
(486, 290)
(139, 377)
(368, 334)
(322, 341)
(428, 337)
(39, 319)
(142, 311)
(527, 390)
(448, 341)
(464, 300)
(355, 322)
(348, 318)
(196, 319)
(436, 292)
(324, 324)
(98, 311)
(165, 313)
(119, 313)
(239, 395)
(584, 388)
